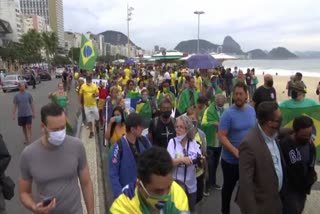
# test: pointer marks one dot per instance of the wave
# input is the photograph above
(282, 72)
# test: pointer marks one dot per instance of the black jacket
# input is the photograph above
(5, 157)
(301, 174)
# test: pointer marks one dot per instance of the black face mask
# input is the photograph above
(302, 141)
(269, 83)
(294, 94)
(166, 114)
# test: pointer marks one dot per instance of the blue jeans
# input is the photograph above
(214, 154)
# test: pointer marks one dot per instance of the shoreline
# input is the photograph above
(280, 83)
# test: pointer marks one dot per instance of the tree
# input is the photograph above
(50, 44)
(31, 44)
(74, 53)
(60, 60)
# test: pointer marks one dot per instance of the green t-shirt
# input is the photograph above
(298, 104)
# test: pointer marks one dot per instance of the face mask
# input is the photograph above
(181, 137)
(118, 118)
(56, 138)
(195, 123)
(219, 108)
(166, 114)
(269, 83)
(165, 90)
(294, 94)
(156, 202)
(302, 141)
(144, 98)
(214, 84)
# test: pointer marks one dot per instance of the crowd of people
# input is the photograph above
(168, 129)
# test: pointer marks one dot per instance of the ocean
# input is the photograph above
(308, 67)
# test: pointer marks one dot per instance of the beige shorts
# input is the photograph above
(92, 113)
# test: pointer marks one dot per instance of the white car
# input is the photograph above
(59, 72)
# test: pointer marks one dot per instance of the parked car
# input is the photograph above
(27, 77)
(12, 81)
(59, 72)
(45, 75)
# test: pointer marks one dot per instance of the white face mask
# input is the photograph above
(57, 138)
(180, 137)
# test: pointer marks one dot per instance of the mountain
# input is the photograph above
(308, 54)
(190, 46)
(230, 46)
(116, 38)
(257, 54)
(281, 53)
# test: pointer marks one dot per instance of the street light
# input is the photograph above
(129, 15)
(198, 13)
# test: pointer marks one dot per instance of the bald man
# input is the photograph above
(266, 92)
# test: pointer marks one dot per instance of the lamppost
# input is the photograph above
(198, 13)
(129, 15)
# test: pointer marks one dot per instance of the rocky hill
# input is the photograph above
(116, 38)
(190, 46)
(257, 54)
(230, 46)
(281, 53)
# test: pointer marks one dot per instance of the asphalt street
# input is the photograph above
(13, 135)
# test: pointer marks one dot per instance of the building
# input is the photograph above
(72, 40)
(50, 10)
(35, 22)
(10, 13)
(156, 48)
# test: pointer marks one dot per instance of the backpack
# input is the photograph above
(142, 139)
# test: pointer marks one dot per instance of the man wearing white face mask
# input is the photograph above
(54, 163)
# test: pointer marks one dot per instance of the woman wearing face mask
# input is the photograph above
(186, 154)
(116, 127)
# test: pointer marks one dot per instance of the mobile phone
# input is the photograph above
(46, 201)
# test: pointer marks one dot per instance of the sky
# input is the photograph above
(264, 24)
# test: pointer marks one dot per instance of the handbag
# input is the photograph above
(7, 187)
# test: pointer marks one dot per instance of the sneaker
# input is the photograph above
(217, 187)
(206, 194)
(91, 135)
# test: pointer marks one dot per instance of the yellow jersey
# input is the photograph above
(177, 204)
(88, 91)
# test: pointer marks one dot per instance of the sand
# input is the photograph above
(280, 83)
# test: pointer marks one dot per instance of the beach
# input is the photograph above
(280, 83)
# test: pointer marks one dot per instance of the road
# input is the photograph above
(13, 135)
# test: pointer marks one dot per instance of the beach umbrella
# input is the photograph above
(202, 61)
(129, 61)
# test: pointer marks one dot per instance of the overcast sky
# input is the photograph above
(264, 24)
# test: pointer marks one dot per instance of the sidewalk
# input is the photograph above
(313, 200)
(94, 163)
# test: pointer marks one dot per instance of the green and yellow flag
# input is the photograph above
(88, 54)
(288, 115)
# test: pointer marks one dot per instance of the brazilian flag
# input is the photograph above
(288, 115)
(184, 100)
(88, 54)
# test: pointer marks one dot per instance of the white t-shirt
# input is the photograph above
(178, 174)
(167, 75)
